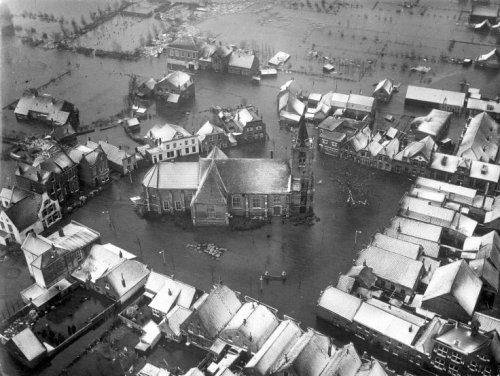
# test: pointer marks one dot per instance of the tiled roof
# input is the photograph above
(167, 132)
(401, 247)
(14, 195)
(175, 318)
(456, 279)
(33, 173)
(485, 270)
(392, 267)
(75, 236)
(113, 153)
(171, 292)
(433, 123)
(385, 84)
(241, 60)
(247, 175)
(387, 324)
(480, 140)
(217, 309)
(173, 175)
(177, 79)
(425, 94)
(424, 147)
(24, 213)
(212, 189)
(45, 104)
(416, 229)
(339, 302)
(216, 153)
(28, 344)
(206, 129)
(36, 244)
(253, 321)
(490, 248)
(126, 276)
(453, 192)
(186, 43)
(485, 171)
(487, 323)
(276, 346)
(459, 338)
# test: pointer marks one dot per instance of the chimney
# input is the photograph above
(61, 232)
(119, 147)
(120, 254)
(123, 281)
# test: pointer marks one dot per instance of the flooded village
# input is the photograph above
(230, 187)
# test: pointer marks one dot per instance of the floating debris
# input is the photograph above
(210, 249)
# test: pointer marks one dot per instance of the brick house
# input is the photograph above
(175, 88)
(169, 141)
(93, 170)
(210, 136)
(243, 63)
(184, 51)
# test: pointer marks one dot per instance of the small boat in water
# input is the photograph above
(255, 80)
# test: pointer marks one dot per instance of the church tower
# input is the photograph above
(302, 173)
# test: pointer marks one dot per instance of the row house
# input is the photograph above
(112, 271)
(46, 109)
(479, 140)
(476, 106)
(333, 132)
(210, 136)
(64, 182)
(169, 141)
(435, 124)
(118, 159)
(24, 212)
(93, 170)
(243, 63)
(244, 124)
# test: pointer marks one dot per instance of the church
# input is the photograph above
(216, 188)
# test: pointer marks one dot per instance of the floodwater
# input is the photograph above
(312, 256)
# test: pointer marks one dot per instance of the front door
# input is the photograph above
(277, 210)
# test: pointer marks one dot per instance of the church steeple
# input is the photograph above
(302, 172)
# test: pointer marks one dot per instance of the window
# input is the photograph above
(302, 158)
(171, 52)
(456, 357)
(487, 371)
(194, 149)
(256, 202)
(106, 285)
(439, 363)
(473, 366)
(277, 200)
(442, 351)
(249, 129)
(155, 312)
(166, 205)
(236, 201)
(178, 205)
(187, 150)
(79, 255)
(186, 142)
(189, 196)
(160, 157)
(219, 137)
(175, 145)
(176, 53)
(2, 225)
(192, 141)
(453, 370)
(10, 228)
(170, 154)
(211, 211)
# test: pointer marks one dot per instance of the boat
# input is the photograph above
(255, 80)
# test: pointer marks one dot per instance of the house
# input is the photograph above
(68, 246)
(170, 326)
(435, 125)
(479, 13)
(399, 246)
(461, 350)
(338, 308)
(111, 271)
(146, 89)
(453, 291)
(26, 212)
(244, 124)
(218, 187)
(383, 91)
(250, 327)
(220, 58)
(315, 355)
(476, 106)
(169, 141)
(489, 60)
(291, 110)
(65, 135)
(184, 52)
(395, 273)
(449, 168)
(35, 179)
(211, 316)
(445, 100)
(93, 170)
(334, 132)
(279, 343)
(175, 88)
(358, 106)
(150, 337)
(151, 370)
(46, 109)
(415, 157)
(26, 347)
(167, 293)
(243, 63)
(210, 136)
(480, 139)
(118, 160)
(65, 177)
